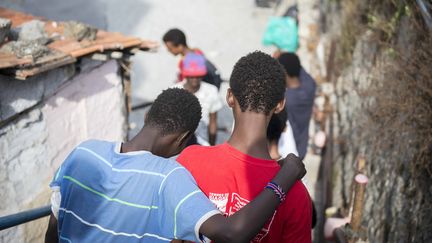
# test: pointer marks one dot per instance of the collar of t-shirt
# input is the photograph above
(117, 150)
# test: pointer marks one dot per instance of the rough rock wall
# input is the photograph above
(49, 115)
(383, 86)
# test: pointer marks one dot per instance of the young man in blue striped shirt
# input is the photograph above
(132, 192)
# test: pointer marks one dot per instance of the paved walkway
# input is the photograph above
(224, 46)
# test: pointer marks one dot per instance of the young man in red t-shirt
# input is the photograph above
(175, 42)
(233, 173)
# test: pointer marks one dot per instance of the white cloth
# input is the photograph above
(55, 200)
(286, 144)
(210, 101)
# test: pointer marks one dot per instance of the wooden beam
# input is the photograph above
(360, 187)
(27, 72)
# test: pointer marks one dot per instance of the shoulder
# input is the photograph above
(84, 154)
(94, 143)
(297, 200)
(296, 197)
(195, 153)
(191, 151)
(299, 191)
(88, 145)
(95, 147)
(198, 51)
(177, 175)
(199, 149)
(208, 88)
(306, 78)
(174, 169)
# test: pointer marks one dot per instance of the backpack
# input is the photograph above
(213, 75)
(282, 32)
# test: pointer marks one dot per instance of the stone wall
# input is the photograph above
(383, 112)
(43, 118)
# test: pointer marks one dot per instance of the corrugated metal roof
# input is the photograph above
(67, 49)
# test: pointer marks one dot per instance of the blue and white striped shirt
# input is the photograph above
(108, 196)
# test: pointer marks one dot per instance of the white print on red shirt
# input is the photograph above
(220, 200)
(264, 231)
(237, 203)
(234, 205)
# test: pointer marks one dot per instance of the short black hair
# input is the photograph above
(277, 125)
(175, 36)
(174, 111)
(291, 63)
(258, 82)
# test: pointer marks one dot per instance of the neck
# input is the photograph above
(186, 50)
(274, 151)
(293, 82)
(190, 88)
(250, 134)
(146, 139)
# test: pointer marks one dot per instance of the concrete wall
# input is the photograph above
(67, 109)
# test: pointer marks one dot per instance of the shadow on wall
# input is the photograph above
(90, 12)
(109, 15)
(19, 95)
(24, 94)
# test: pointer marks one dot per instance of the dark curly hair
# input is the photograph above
(291, 63)
(174, 111)
(258, 82)
(176, 36)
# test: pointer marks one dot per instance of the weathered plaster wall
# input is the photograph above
(18, 95)
(32, 146)
(381, 112)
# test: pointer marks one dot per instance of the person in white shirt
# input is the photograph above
(193, 70)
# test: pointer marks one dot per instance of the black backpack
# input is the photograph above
(213, 75)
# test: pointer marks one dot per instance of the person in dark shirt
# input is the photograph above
(300, 94)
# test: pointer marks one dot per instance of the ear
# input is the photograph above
(183, 138)
(286, 80)
(230, 98)
(280, 106)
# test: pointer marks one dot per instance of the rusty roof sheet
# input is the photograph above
(67, 50)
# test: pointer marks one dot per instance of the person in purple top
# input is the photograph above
(299, 95)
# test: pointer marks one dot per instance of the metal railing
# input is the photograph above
(24, 217)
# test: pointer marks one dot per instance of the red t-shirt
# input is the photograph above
(231, 179)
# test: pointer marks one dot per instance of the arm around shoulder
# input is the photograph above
(247, 222)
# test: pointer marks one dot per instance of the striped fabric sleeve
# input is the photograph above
(58, 176)
(184, 206)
